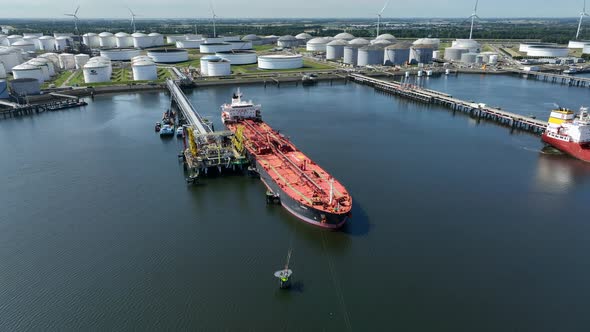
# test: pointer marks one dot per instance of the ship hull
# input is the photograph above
(305, 213)
(575, 150)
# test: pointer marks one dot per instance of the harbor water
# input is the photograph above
(457, 225)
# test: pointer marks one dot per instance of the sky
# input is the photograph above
(288, 8)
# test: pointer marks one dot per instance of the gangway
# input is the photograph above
(188, 110)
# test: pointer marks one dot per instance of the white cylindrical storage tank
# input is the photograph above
(436, 54)
(344, 36)
(278, 61)
(240, 45)
(47, 43)
(421, 54)
(288, 41)
(254, 39)
(171, 55)
(141, 58)
(107, 40)
(24, 45)
(493, 59)
(41, 65)
(32, 34)
(123, 40)
(204, 62)
(25, 86)
(173, 38)
(351, 53)
(335, 49)
(35, 41)
(63, 34)
(231, 38)
(370, 55)
(53, 57)
(238, 57)
(96, 72)
(470, 44)
(214, 40)
(387, 37)
(4, 89)
(91, 40)
(190, 44)
(156, 39)
(123, 54)
(578, 44)
(524, 47)
(303, 38)
(67, 61)
(547, 51)
(454, 53)
(49, 63)
(61, 43)
(13, 39)
(397, 54)
(10, 57)
(192, 36)
(586, 49)
(28, 71)
(468, 58)
(209, 48)
(141, 40)
(144, 71)
(219, 67)
(360, 42)
(2, 71)
(433, 42)
(479, 59)
(317, 44)
(81, 60)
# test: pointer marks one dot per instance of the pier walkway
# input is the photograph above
(184, 105)
(554, 78)
(434, 97)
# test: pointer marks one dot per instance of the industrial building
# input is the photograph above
(280, 61)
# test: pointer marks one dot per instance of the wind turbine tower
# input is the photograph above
(379, 16)
(473, 17)
(582, 15)
(75, 16)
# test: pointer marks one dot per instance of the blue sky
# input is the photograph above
(289, 8)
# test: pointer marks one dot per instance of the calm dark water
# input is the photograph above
(457, 226)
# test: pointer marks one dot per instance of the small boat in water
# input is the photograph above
(167, 130)
(179, 132)
(158, 127)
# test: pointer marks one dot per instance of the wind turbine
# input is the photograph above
(379, 16)
(75, 16)
(473, 17)
(214, 17)
(133, 16)
(582, 15)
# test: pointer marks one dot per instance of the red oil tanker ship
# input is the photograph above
(303, 187)
(569, 133)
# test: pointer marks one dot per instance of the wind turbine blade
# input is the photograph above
(476, 3)
(77, 9)
(69, 15)
(384, 7)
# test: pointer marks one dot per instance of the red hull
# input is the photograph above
(576, 150)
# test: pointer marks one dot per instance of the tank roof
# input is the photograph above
(143, 63)
(399, 46)
(359, 41)
(318, 40)
(138, 34)
(251, 37)
(121, 34)
(287, 38)
(304, 35)
(46, 37)
(105, 34)
(337, 42)
(385, 36)
(344, 35)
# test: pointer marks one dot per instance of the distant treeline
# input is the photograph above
(557, 31)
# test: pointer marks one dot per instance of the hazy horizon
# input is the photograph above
(280, 9)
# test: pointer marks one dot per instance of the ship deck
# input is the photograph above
(293, 171)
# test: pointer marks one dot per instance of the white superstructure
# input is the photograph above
(239, 109)
(564, 125)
